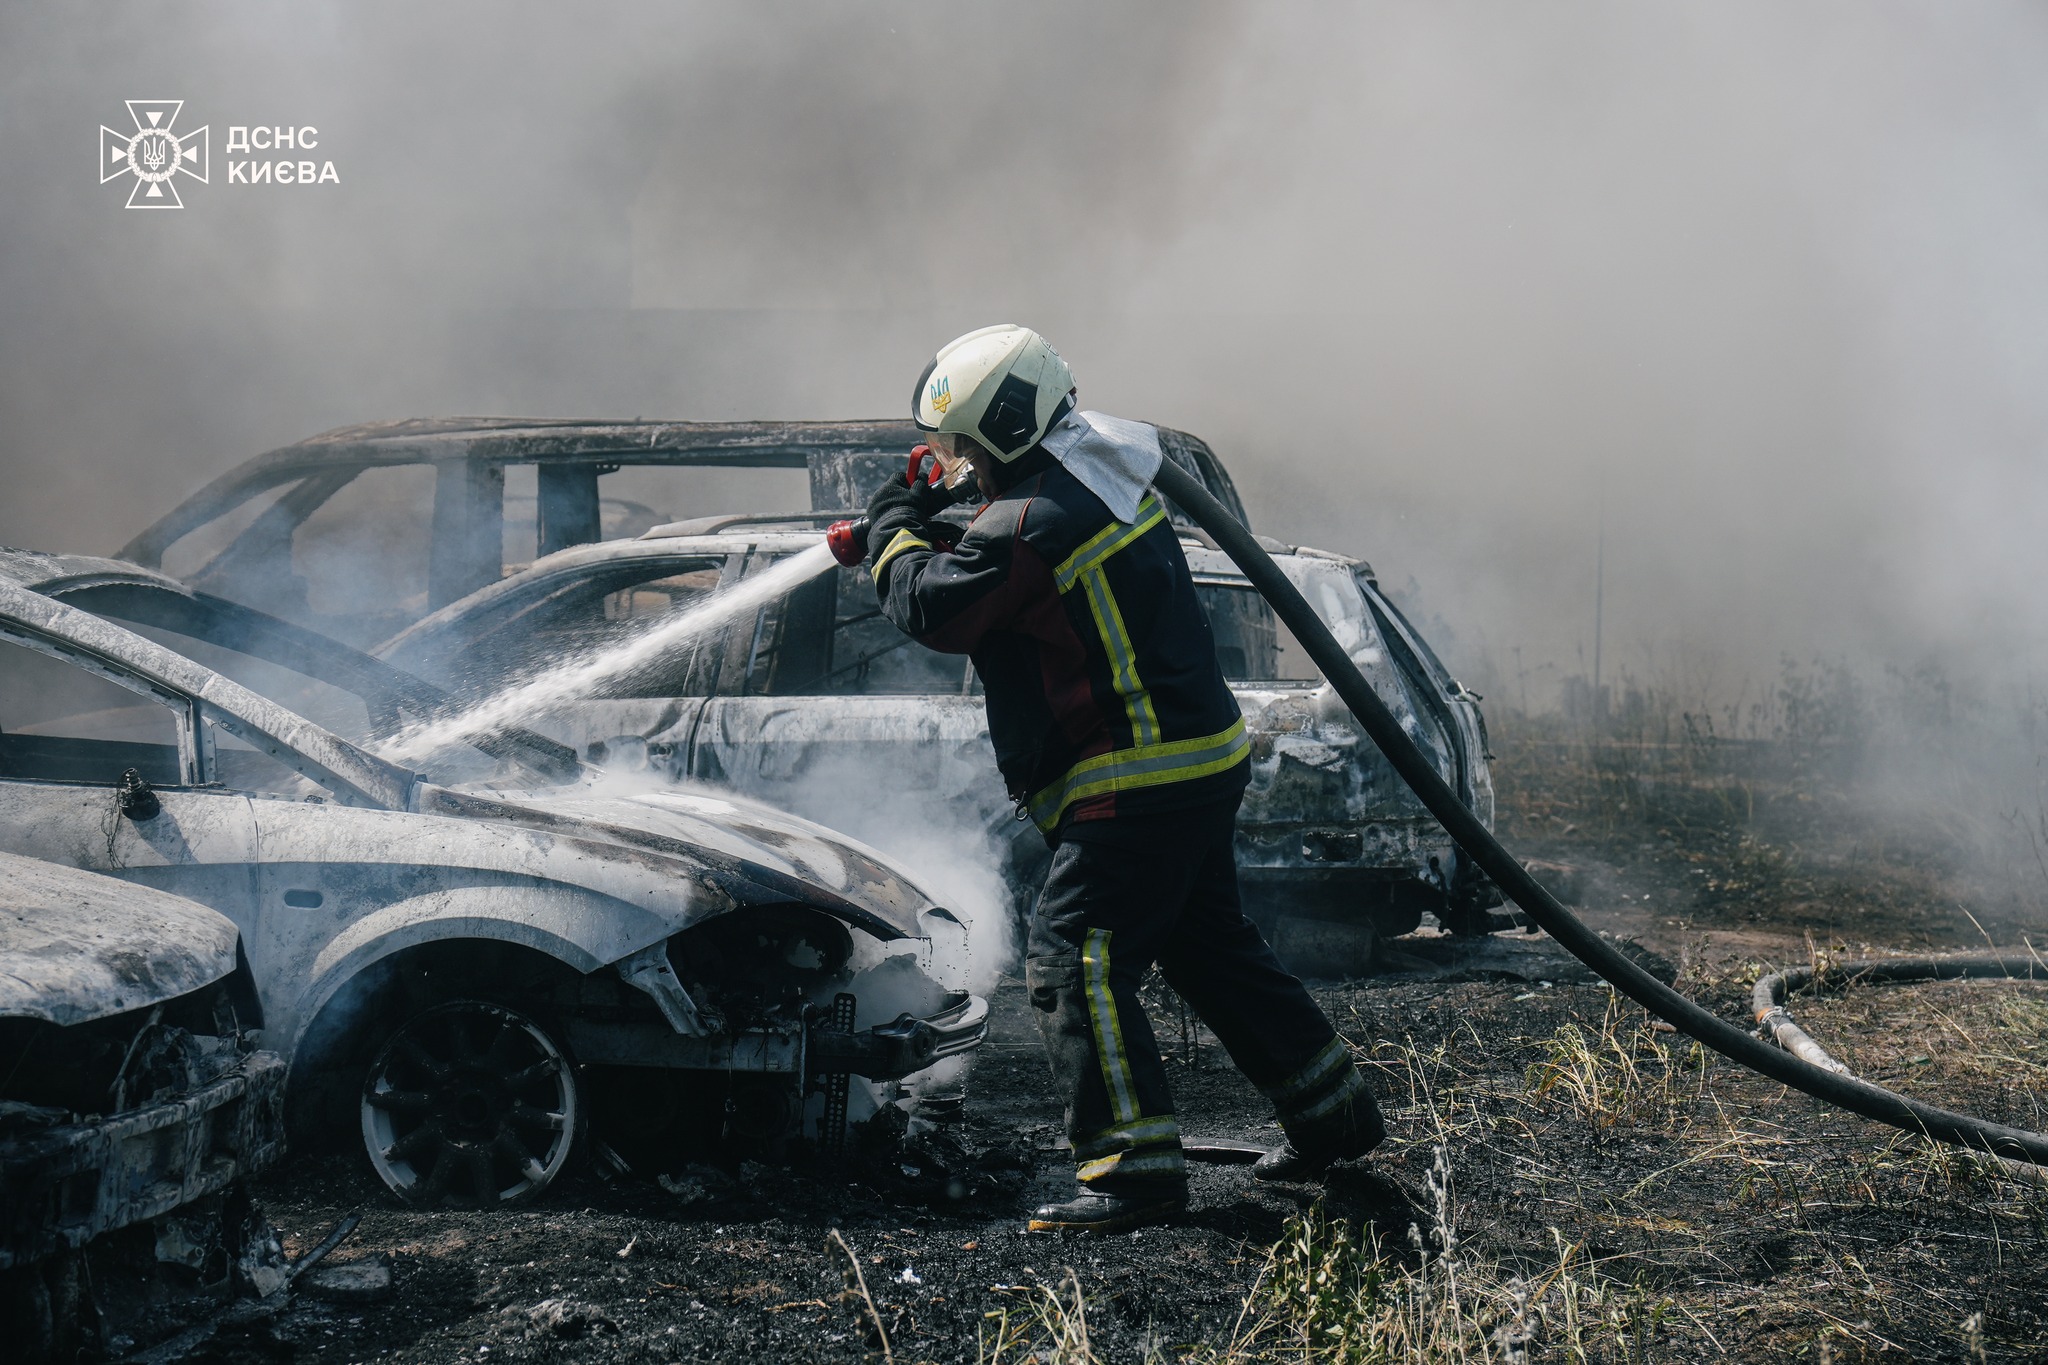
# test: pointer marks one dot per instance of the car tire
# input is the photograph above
(471, 1104)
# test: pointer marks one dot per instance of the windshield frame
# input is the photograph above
(353, 774)
(384, 689)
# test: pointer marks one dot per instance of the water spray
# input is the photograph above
(1836, 1087)
(577, 676)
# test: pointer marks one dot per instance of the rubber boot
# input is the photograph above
(1283, 1165)
(1287, 1163)
(1105, 1213)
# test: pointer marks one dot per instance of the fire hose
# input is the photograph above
(1836, 1087)
(1767, 1001)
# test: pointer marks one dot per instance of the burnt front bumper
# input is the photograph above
(905, 1045)
(62, 1186)
(824, 1043)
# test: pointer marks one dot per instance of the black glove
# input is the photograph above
(900, 505)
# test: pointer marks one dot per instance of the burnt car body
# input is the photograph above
(129, 1089)
(462, 969)
(816, 695)
(1331, 840)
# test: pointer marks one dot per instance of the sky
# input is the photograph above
(1746, 301)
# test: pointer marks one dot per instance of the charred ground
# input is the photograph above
(1564, 1178)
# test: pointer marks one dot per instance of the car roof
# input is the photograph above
(522, 440)
(499, 441)
(55, 574)
(77, 946)
(518, 439)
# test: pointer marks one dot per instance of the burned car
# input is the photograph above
(487, 525)
(468, 967)
(815, 695)
(130, 1091)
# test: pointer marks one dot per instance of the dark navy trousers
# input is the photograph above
(1125, 893)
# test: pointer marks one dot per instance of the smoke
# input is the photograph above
(943, 834)
(1750, 292)
(956, 860)
(941, 818)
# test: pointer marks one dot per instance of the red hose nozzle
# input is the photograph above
(848, 541)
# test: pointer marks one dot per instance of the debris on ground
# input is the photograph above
(367, 1280)
(697, 1183)
(568, 1319)
(262, 1268)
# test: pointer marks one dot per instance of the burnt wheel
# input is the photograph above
(472, 1105)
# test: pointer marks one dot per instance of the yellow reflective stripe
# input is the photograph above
(1106, 542)
(1109, 1034)
(1165, 1161)
(1142, 765)
(1317, 1071)
(904, 540)
(1165, 1128)
(1345, 1092)
(1071, 568)
(1123, 657)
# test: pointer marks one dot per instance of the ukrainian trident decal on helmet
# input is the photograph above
(942, 393)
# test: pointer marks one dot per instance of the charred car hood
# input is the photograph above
(755, 854)
(76, 946)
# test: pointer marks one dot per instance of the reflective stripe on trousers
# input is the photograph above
(1134, 1145)
(1325, 1086)
(1109, 1033)
(1148, 1148)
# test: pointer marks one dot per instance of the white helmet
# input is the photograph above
(1004, 386)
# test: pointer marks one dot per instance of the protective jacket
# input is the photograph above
(1104, 696)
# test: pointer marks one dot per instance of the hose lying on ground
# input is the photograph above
(1837, 1088)
(1767, 1001)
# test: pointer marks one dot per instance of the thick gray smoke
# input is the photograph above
(1759, 287)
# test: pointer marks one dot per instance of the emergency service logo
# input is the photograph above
(155, 154)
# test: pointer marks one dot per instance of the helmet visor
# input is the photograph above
(951, 450)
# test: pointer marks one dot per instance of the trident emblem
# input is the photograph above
(153, 154)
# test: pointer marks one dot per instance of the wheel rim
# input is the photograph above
(470, 1104)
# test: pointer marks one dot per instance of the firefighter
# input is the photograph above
(1119, 738)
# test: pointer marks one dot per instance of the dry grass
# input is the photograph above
(1048, 1326)
(1604, 1192)
(1626, 1071)
(856, 1293)
(1331, 1293)
(1935, 1037)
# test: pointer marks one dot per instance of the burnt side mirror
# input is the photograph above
(135, 797)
